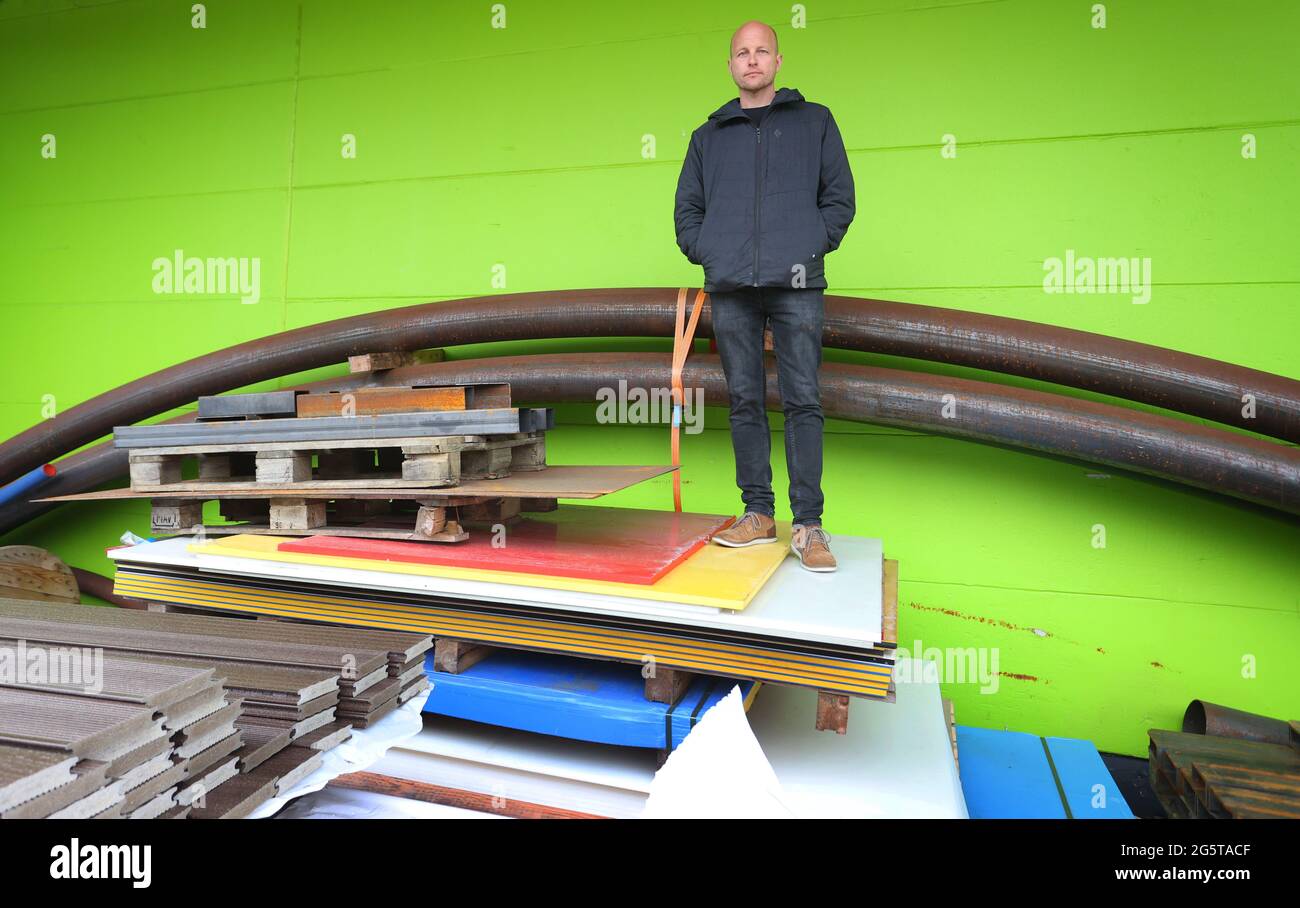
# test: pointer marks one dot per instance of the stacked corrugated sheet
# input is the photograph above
(107, 736)
(277, 696)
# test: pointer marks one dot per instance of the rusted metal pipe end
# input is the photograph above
(1212, 719)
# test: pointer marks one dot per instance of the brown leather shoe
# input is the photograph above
(750, 529)
(812, 545)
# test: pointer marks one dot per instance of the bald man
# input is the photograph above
(764, 194)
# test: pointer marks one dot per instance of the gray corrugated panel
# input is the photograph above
(400, 670)
(379, 694)
(408, 675)
(94, 803)
(222, 718)
(154, 808)
(294, 685)
(147, 770)
(27, 773)
(206, 783)
(290, 766)
(238, 406)
(196, 707)
(119, 766)
(349, 688)
(317, 429)
(409, 645)
(296, 729)
(204, 759)
(237, 798)
(198, 745)
(326, 738)
(92, 729)
(412, 690)
(104, 676)
(142, 794)
(261, 742)
(375, 716)
(146, 641)
(292, 713)
(89, 776)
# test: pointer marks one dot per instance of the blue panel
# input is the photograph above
(1005, 775)
(1089, 788)
(570, 698)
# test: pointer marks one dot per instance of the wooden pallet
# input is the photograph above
(420, 520)
(397, 463)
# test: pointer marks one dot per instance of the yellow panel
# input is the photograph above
(714, 576)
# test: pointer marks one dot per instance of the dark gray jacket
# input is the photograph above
(762, 207)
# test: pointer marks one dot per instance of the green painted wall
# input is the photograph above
(523, 147)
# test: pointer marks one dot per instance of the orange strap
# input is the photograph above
(682, 338)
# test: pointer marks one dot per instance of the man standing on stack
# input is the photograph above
(764, 194)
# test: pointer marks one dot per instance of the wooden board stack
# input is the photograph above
(121, 742)
(195, 716)
(834, 633)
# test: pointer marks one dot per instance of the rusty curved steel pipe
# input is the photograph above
(1140, 372)
(101, 587)
(1204, 457)
(1204, 718)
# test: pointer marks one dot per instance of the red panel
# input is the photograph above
(626, 545)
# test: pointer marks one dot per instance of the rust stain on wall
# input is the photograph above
(1036, 631)
(1020, 677)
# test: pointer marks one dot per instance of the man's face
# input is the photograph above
(753, 62)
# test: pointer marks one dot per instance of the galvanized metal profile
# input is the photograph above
(319, 429)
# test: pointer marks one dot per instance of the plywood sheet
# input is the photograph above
(579, 482)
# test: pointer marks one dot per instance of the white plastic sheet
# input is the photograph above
(365, 748)
(718, 771)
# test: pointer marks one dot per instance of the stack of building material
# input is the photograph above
(748, 613)
(197, 750)
(131, 728)
(894, 762)
(282, 444)
(1227, 764)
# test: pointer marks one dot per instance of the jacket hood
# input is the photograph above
(733, 109)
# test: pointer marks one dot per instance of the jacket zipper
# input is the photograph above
(758, 192)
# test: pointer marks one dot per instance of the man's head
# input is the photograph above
(754, 60)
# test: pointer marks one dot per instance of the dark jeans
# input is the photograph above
(796, 319)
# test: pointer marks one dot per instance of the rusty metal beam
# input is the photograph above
(1165, 378)
(1204, 718)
